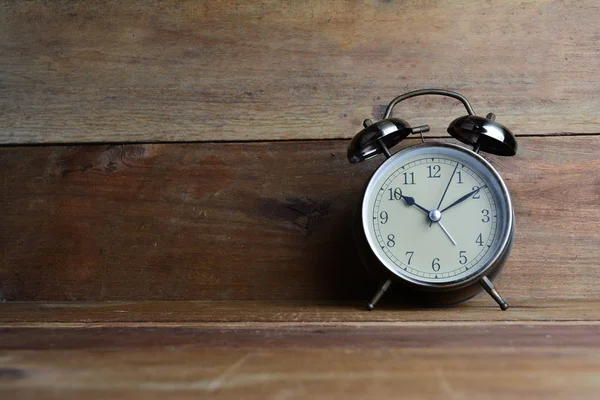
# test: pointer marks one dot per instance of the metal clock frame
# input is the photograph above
(484, 134)
(442, 293)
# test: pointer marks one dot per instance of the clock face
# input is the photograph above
(437, 214)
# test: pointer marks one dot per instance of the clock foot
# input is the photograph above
(379, 294)
(489, 287)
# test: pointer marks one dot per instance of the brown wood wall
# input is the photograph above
(257, 221)
(194, 150)
(87, 71)
(259, 204)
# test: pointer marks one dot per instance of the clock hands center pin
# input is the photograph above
(433, 215)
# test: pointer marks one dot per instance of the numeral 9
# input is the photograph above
(384, 217)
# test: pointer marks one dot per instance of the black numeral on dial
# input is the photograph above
(434, 171)
(462, 257)
(435, 264)
(383, 217)
(395, 194)
(486, 216)
(479, 240)
(391, 240)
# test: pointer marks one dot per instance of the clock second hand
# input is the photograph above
(445, 191)
(433, 216)
(447, 233)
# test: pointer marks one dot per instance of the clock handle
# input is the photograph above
(379, 294)
(440, 92)
(489, 287)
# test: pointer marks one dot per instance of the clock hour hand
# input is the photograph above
(466, 196)
(411, 202)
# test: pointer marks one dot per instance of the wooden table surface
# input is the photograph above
(249, 349)
(177, 203)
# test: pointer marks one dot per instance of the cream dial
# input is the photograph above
(437, 214)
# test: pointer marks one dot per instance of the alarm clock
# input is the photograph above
(436, 219)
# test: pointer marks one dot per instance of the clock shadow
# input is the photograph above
(343, 274)
(344, 278)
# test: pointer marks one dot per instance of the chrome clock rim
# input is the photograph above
(500, 252)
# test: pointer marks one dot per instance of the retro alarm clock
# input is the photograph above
(436, 219)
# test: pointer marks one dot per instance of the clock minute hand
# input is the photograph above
(445, 191)
(466, 196)
(447, 186)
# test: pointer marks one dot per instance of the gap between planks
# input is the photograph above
(258, 141)
(267, 315)
(294, 325)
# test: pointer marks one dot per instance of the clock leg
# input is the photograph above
(379, 294)
(489, 287)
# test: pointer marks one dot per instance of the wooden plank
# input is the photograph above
(324, 336)
(262, 221)
(240, 313)
(84, 71)
(429, 362)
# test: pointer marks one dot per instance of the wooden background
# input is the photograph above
(85, 71)
(195, 151)
(261, 221)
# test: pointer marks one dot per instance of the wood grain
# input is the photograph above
(262, 221)
(86, 71)
(324, 336)
(509, 362)
(243, 313)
